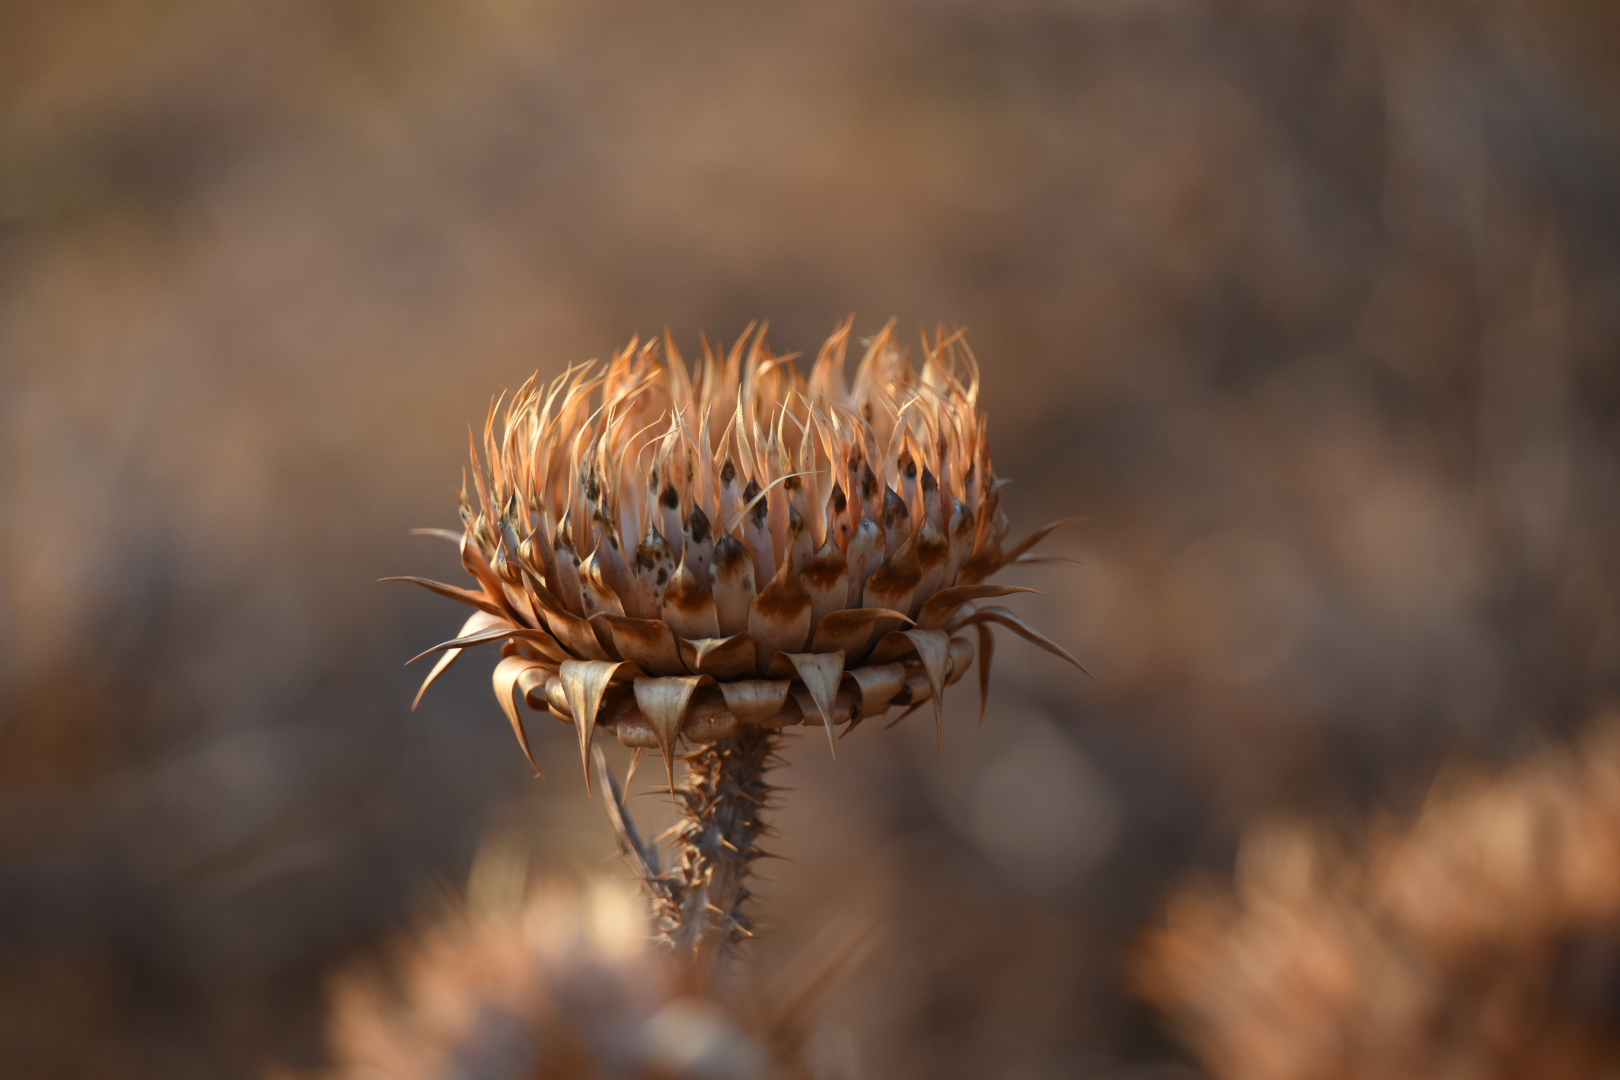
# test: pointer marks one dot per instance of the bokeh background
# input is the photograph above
(1312, 310)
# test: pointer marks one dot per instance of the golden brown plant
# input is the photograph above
(693, 560)
(558, 986)
(1481, 943)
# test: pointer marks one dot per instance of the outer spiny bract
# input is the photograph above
(717, 554)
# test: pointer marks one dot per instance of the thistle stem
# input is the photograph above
(720, 797)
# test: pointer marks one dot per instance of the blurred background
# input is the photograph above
(1312, 310)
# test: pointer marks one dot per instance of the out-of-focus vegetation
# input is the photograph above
(1480, 943)
(1310, 308)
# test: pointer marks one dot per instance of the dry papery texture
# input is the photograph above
(1309, 307)
(694, 560)
(1482, 942)
(561, 985)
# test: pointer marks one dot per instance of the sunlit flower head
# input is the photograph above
(672, 552)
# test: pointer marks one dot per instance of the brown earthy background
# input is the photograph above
(1312, 309)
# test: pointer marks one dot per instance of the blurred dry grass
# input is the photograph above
(1478, 943)
(1310, 307)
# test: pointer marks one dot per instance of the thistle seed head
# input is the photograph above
(648, 536)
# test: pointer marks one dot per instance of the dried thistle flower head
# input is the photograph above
(1481, 943)
(667, 553)
(712, 555)
(557, 986)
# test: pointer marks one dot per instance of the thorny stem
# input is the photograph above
(721, 797)
(699, 901)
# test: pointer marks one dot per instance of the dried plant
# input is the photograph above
(1480, 943)
(694, 560)
(557, 984)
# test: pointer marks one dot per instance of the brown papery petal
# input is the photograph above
(724, 658)
(575, 633)
(851, 628)
(603, 630)
(779, 618)
(933, 648)
(933, 552)
(688, 607)
(700, 541)
(799, 548)
(821, 674)
(877, 685)
(865, 555)
(518, 601)
(476, 565)
(756, 528)
(544, 549)
(636, 732)
(995, 533)
(483, 637)
(557, 699)
(844, 706)
(543, 640)
(733, 585)
(837, 517)
(477, 623)
(479, 600)
(649, 643)
(708, 727)
(505, 679)
(896, 523)
(945, 603)
(533, 684)
(598, 596)
(826, 579)
(755, 701)
(584, 682)
(445, 660)
(655, 566)
(544, 599)
(669, 513)
(918, 690)
(961, 658)
(870, 493)
(730, 499)
(664, 702)
(548, 647)
(442, 534)
(712, 730)
(567, 585)
(910, 492)
(978, 568)
(1036, 537)
(1022, 629)
(961, 539)
(895, 584)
